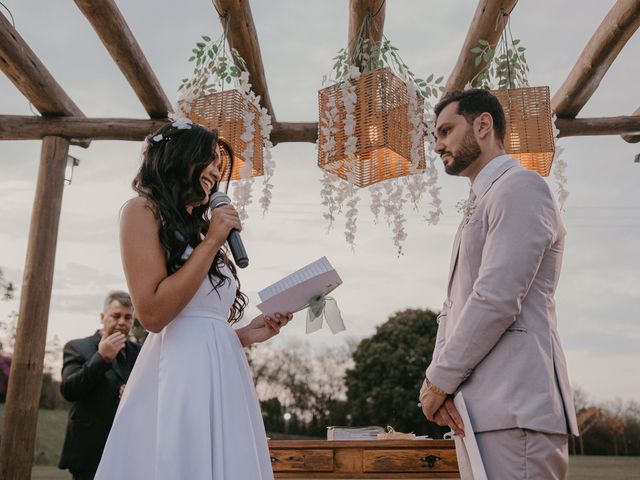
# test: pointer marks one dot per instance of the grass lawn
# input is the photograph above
(52, 424)
(49, 437)
(593, 467)
(581, 468)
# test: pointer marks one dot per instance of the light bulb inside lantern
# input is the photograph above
(374, 133)
(514, 141)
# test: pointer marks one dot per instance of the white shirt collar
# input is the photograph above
(484, 175)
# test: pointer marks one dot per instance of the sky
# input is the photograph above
(598, 299)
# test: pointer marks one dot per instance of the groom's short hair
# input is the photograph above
(473, 102)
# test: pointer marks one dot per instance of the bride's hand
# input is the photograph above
(223, 220)
(263, 328)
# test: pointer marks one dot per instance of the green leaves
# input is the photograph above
(508, 68)
(215, 66)
(372, 55)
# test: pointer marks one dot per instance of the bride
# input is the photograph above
(189, 410)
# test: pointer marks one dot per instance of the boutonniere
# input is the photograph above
(466, 208)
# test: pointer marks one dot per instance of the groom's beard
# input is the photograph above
(468, 153)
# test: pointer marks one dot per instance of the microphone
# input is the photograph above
(218, 199)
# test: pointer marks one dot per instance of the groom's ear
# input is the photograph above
(483, 125)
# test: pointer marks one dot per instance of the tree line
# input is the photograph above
(374, 381)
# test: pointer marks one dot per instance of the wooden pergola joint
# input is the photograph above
(115, 34)
(485, 26)
(633, 137)
(242, 36)
(358, 11)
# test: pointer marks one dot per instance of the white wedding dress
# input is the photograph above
(189, 410)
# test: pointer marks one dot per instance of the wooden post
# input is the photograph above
(25, 379)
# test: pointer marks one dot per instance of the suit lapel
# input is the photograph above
(123, 366)
(454, 256)
(456, 242)
(510, 163)
(117, 366)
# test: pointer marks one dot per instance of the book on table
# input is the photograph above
(354, 433)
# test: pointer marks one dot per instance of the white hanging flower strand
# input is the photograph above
(434, 190)
(329, 128)
(269, 165)
(328, 193)
(376, 200)
(349, 193)
(183, 103)
(393, 206)
(559, 168)
(266, 127)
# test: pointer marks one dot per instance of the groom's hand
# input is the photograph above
(430, 402)
(448, 415)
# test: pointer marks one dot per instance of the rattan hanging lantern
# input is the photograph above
(226, 111)
(529, 129)
(382, 129)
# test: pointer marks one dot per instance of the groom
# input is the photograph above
(497, 338)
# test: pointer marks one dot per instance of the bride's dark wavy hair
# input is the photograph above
(169, 178)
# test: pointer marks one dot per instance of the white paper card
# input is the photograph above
(294, 292)
(469, 439)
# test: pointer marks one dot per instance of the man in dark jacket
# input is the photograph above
(94, 373)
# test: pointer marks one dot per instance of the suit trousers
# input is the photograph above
(83, 475)
(517, 454)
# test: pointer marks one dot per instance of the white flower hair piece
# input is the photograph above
(157, 138)
(182, 123)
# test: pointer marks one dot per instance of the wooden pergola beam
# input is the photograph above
(358, 11)
(25, 70)
(576, 127)
(23, 127)
(604, 46)
(633, 138)
(294, 132)
(242, 36)
(111, 27)
(19, 127)
(486, 25)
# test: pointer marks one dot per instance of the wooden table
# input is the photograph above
(364, 459)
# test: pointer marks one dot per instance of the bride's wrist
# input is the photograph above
(242, 336)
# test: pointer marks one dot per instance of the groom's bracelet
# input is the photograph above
(437, 390)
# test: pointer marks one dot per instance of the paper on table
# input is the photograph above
(469, 439)
(294, 292)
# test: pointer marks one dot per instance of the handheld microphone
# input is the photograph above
(218, 199)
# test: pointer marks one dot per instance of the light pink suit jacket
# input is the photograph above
(497, 337)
